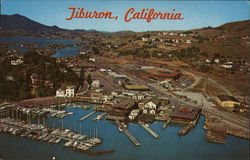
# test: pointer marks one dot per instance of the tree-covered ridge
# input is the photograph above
(16, 80)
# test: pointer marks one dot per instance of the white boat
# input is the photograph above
(120, 129)
(58, 140)
(69, 143)
(53, 114)
(75, 143)
(88, 144)
(99, 117)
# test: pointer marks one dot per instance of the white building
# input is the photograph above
(145, 39)
(83, 53)
(95, 84)
(188, 41)
(105, 98)
(133, 114)
(115, 94)
(16, 62)
(92, 59)
(208, 61)
(60, 93)
(217, 61)
(227, 66)
(151, 106)
(70, 91)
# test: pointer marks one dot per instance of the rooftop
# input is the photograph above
(126, 104)
(227, 98)
(136, 87)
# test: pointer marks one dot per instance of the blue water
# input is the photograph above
(22, 49)
(43, 42)
(170, 146)
(66, 52)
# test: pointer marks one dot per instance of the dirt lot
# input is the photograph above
(168, 63)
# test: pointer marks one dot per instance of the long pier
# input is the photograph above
(131, 137)
(150, 131)
(88, 115)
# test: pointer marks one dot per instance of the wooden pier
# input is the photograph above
(88, 115)
(166, 123)
(131, 137)
(150, 131)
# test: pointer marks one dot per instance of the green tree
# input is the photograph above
(82, 76)
(89, 79)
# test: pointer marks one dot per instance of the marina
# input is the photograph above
(52, 136)
(40, 150)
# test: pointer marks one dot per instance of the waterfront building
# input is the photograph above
(184, 114)
(151, 106)
(121, 110)
(70, 91)
(133, 114)
(60, 93)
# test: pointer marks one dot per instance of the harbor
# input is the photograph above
(42, 150)
(76, 141)
(123, 149)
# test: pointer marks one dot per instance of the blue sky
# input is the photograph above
(196, 14)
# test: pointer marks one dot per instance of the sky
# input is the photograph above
(197, 14)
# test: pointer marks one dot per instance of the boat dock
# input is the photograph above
(166, 123)
(131, 137)
(99, 117)
(150, 131)
(88, 115)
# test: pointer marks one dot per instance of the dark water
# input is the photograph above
(169, 147)
(42, 43)
(66, 52)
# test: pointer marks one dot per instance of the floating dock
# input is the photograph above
(150, 131)
(131, 137)
(88, 115)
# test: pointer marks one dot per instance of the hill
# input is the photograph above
(18, 22)
(231, 39)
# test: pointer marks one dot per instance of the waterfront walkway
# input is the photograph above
(88, 115)
(150, 131)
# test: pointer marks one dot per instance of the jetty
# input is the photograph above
(131, 137)
(88, 115)
(166, 123)
(150, 131)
